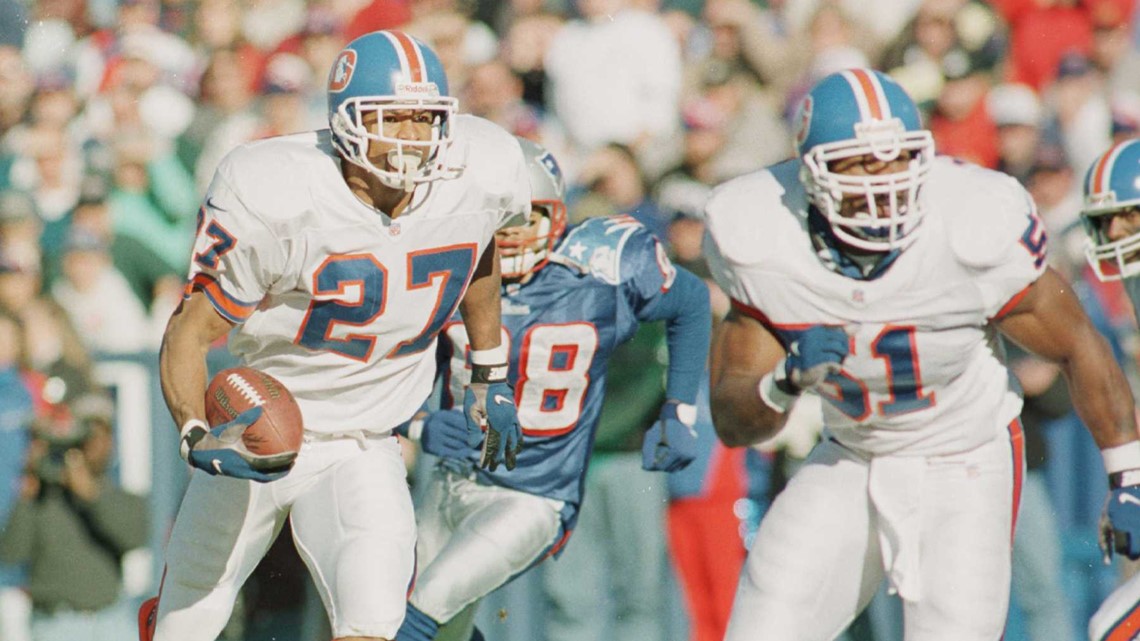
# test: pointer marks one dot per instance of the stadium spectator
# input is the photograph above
(628, 55)
(98, 299)
(961, 123)
(494, 92)
(1016, 111)
(226, 114)
(1038, 563)
(72, 525)
(153, 197)
(1079, 109)
(15, 426)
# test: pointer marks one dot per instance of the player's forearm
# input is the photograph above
(688, 327)
(739, 415)
(1101, 395)
(481, 305)
(182, 372)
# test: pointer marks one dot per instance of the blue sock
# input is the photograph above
(417, 626)
(476, 635)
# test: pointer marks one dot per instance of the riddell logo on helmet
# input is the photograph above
(342, 70)
(422, 89)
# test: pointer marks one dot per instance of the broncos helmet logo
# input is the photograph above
(342, 70)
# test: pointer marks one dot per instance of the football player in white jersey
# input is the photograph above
(876, 274)
(1111, 215)
(335, 257)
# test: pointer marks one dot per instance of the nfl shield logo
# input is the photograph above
(857, 296)
(394, 229)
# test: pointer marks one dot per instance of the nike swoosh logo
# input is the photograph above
(502, 400)
(210, 203)
(1128, 498)
(217, 465)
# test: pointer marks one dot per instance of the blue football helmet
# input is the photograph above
(547, 190)
(390, 70)
(854, 113)
(1112, 186)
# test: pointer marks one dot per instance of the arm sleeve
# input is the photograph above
(237, 258)
(662, 291)
(688, 324)
(122, 518)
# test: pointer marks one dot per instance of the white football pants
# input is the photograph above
(939, 527)
(352, 523)
(1118, 618)
(474, 538)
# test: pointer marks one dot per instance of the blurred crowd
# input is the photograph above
(114, 114)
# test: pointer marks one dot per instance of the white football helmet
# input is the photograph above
(547, 188)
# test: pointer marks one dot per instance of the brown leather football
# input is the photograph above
(235, 390)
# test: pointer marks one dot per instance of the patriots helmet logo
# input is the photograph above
(551, 166)
(342, 70)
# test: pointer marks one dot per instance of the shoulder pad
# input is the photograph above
(493, 160)
(753, 215)
(595, 245)
(984, 213)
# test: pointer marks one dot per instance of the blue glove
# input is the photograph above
(222, 451)
(671, 444)
(1120, 522)
(489, 403)
(445, 435)
(817, 353)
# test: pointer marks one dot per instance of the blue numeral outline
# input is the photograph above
(1034, 239)
(332, 278)
(450, 266)
(895, 344)
(223, 242)
(454, 265)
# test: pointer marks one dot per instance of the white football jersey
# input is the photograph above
(339, 302)
(923, 374)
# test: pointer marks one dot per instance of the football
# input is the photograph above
(237, 389)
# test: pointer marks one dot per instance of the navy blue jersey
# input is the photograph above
(606, 276)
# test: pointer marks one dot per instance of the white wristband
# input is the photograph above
(773, 396)
(1122, 457)
(187, 427)
(415, 430)
(493, 356)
